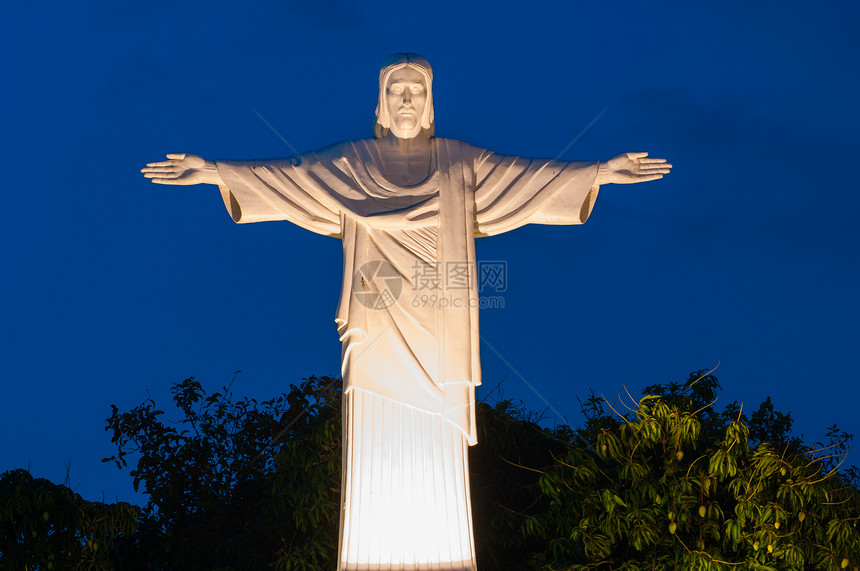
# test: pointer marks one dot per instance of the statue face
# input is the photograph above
(405, 97)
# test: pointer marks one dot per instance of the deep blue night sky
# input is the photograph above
(115, 288)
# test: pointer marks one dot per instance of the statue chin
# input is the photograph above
(403, 132)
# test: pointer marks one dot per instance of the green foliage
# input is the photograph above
(236, 485)
(307, 478)
(504, 483)
(673, 484)
(48, 526)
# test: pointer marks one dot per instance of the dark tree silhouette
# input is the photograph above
(47, 526)
(667, 482)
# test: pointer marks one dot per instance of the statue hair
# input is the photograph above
(391, 64)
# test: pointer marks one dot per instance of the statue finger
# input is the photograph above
(636, 155)
(659, 167)
(161, 164)
(651, 161)
(165, 181)
(177, 156)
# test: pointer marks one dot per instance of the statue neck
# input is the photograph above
(406, 162)
(394, 144)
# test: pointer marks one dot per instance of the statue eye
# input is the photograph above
(396, 89)
(417, 89)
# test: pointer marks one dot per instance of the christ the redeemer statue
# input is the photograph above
(407, 205)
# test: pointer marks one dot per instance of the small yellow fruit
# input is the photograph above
(801, 516)
(603, 448)
(658, 499)
(782, 471)
(45, 516)
(844, 563)
(755, 546)
(671, 516)
(776, 525)
(679, 455)
(33, 533)
(770, 548)
(672, 527)
(702, 511)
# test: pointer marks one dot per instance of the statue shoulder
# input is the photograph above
(350, 150)
(340, 148)
(462, 147)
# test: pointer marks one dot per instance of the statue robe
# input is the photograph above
(408, 325)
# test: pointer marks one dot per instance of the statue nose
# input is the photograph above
(407, 96)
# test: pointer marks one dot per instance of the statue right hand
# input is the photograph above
(630, 168)
(182, 168)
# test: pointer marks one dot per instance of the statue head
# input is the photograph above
(405, 106)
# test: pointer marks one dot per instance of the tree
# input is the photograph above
(236, 485)
(48, 526)
(504, 483)
(671, 484)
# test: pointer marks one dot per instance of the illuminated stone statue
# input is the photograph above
(408, 206)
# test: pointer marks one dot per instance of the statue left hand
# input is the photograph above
(629, 168)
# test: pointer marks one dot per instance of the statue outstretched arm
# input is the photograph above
(630, 168)
(184, 169)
